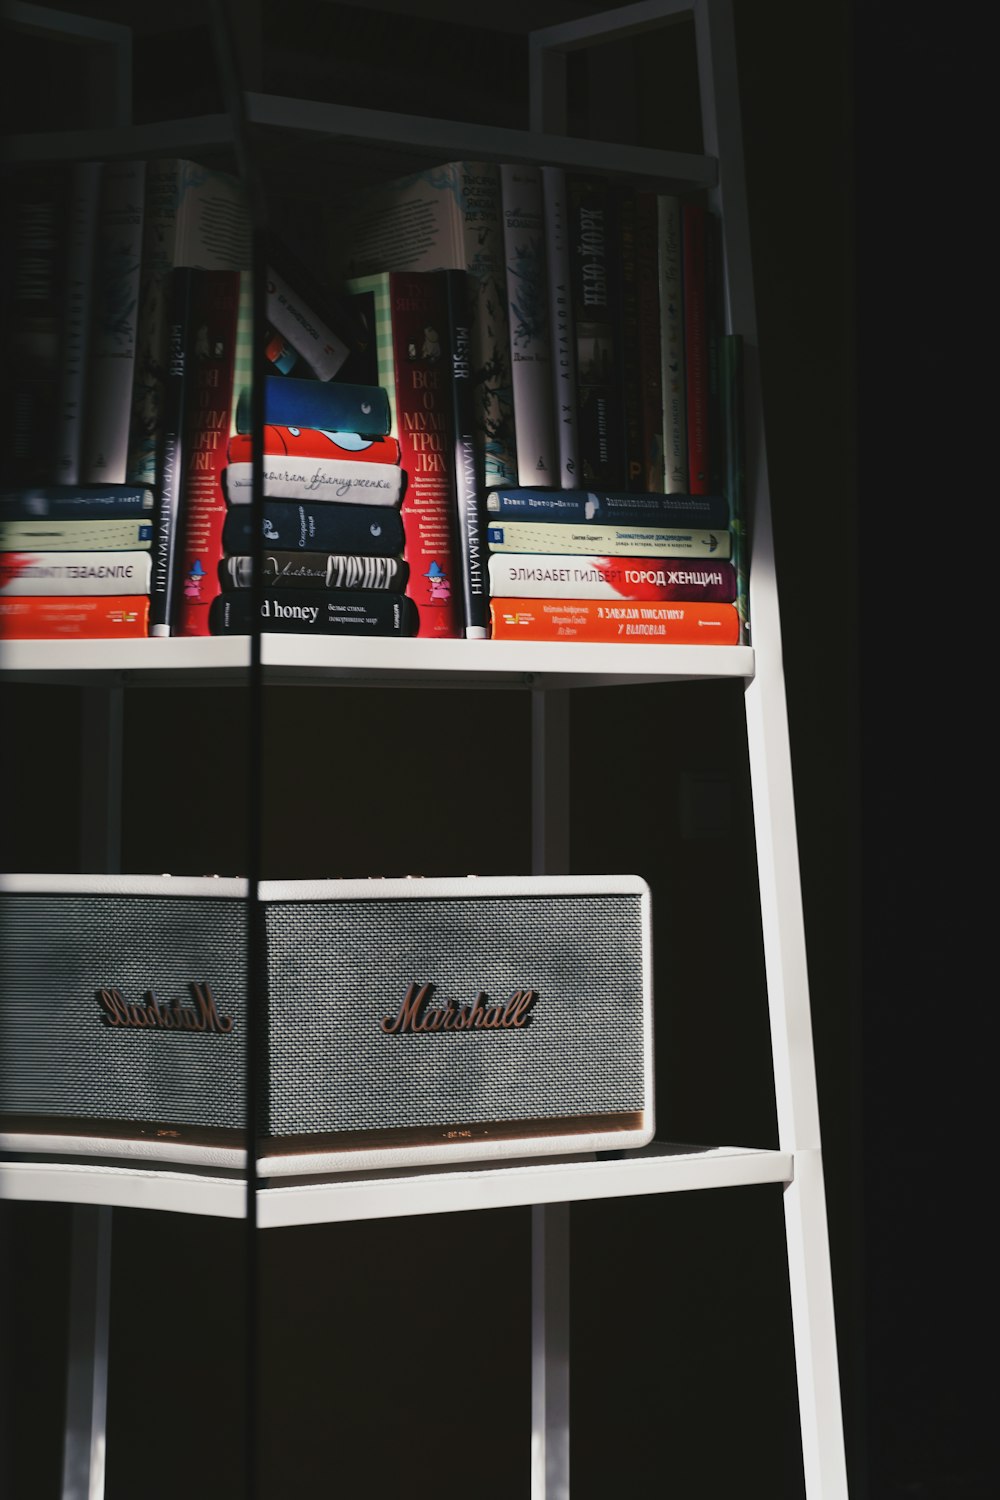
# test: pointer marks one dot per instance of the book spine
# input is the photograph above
(319, 570)
(555, 575)
(115, 323)
(331, 405)
(330, 481)
(695, 344)
(85, 195)
(31, 287)
(650, 367)
(75, 536)
(675, 455)
(481, 210)
(64, 616)
(596, 322)
(734, 465)
(208, 401)
(77, 502)
(364, 612)
(714, 329)
(362, 529)
(606, 541)
(620, 507)
(561, 314)
(411, 318)
(170, 461)
(626, 227)
(74, 572)
(677, 624)
(323, 350)
(313, 442)
(159, 247)
(469, 511)
(528, 315)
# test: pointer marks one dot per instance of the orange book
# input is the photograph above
(665, 622)
(51, 617)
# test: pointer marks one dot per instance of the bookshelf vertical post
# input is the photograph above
(550, 855)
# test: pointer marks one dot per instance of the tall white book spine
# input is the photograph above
(530, 333)
(114, 324)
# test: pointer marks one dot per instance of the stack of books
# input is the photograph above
(331, 549)
(75, 561)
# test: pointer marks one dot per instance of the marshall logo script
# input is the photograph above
(416, 1015)
(201, 1016)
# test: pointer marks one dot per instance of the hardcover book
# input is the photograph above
(448, 218)
(81, 234)
(621, 507)
(306, 329)
(30, 287)
(650, 366)
(675, 454)
(215, 300)
(335, 480)
(561, 314)
(194, 216)
(693, 275)
(291, 526)
(114, 325)
(75, 536)
(556, 575)
(73, 616)
(652, 621)
(77, 502)
(364, 612)
(595, 270)
(625, 202)
(470, 512)
(318, 570)
(411, 329)
(530, 327)
(74, 572)
(170, 456)
(605, 540)
(332, 405)
(314, 442)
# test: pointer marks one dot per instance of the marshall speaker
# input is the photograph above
(400, 1021)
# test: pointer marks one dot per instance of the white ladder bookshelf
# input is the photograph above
(550, 673)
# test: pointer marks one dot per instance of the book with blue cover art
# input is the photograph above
(329, 404)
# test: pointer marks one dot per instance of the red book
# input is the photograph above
(598, 620)
(50, 617)
(314, 442)
(409, 310)
(695, 344)
(211, 354)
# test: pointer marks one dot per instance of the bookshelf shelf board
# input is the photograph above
(296, 660)
(365, 143)
(658, 1168)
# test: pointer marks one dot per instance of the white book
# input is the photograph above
(114, 323)
(675, 460)
(343, 481)
(74, 573)
(604, 540)
(528, 317)
(564, 392)
(302, 327)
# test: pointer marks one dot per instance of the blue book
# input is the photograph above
(77, 502)
(620, 507)
(292, 526)
(326, 404)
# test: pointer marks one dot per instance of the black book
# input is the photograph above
(170, 457)
(294, 525)
(470, 529)
(371, 612)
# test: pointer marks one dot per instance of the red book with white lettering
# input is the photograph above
(653, 621)
(211, 362)
(409, 313)
(553, 575)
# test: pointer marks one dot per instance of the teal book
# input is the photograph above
(329, 405)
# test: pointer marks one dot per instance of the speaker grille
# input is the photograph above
(337, 969)
(57, 1055)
